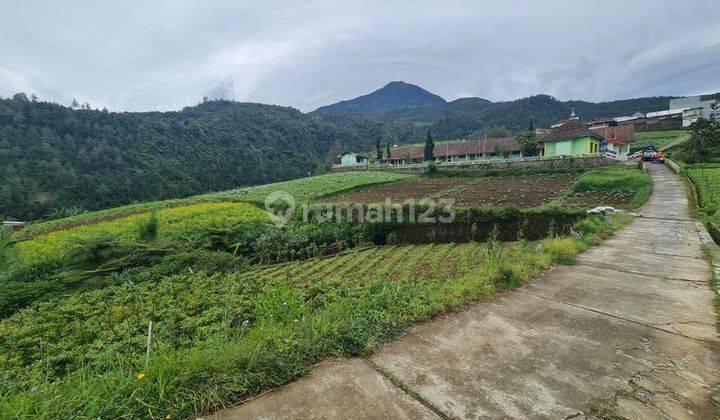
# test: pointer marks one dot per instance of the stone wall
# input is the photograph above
(530, 163)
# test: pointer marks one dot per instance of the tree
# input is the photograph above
(528, 143)
(429, 147)
(501, 151)
(496, 132)
(531, 127)
(387, 150)
(378, 151)
(704, 142)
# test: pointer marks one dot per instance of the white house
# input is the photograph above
(617, 139)
(349, 158)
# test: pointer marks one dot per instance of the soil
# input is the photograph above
(519, 191)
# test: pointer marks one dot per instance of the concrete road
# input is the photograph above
(629, 331)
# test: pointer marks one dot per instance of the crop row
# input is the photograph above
(707, 181)
(173, 224)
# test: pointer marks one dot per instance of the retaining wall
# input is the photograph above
(530, 163)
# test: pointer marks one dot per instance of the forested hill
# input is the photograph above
(393, 96)
(53, 157)
(465, 116)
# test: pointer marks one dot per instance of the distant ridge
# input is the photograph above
(411, 109)
(395, 95)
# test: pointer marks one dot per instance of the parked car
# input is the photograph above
(648, 152)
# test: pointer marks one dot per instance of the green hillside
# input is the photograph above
(240, 305)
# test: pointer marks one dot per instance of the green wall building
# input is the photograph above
(571, 138)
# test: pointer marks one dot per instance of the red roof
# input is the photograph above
(475, 147)
(618, 134)
(570, 129)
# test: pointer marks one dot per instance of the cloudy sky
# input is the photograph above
(160, 55)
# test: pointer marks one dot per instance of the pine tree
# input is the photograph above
(387, 150)
(429, 147)
(378, 151)
(531, 127)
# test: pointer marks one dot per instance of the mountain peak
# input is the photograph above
(394, 95)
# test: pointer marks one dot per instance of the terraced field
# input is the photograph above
(224, 337)
(76, 302)
(301, 190)
(519, 191)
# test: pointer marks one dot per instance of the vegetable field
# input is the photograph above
(301, 190)
(240, 305)
(173, 224)
(519, 191)
(616, 185)
(707, 180)
(304, 189)
(219, 338)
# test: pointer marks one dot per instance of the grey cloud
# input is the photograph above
(136, 55)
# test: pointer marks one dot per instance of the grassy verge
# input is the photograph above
(220, 338)
(611, 185)
(658, 138)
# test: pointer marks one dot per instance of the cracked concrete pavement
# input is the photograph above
(629, 331)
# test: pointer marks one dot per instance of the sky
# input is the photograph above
(163, 55)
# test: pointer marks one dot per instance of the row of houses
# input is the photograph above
(568, 137)
(681, 111)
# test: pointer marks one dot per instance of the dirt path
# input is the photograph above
(629, 331)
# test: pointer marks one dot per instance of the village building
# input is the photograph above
(617, 139)
(349, 158)
(571, 138)
(487, 149)
(690, 115)
(666, 116)
(707, 107)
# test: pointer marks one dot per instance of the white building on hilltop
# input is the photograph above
(695, 107)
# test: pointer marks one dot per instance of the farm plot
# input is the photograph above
(301, 190)
(615, 185)
(519, 191)
(219, 338)
(707, 180)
